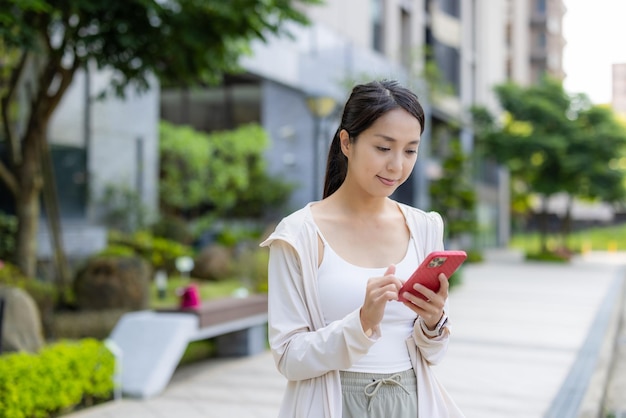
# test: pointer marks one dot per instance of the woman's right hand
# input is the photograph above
(379, 291)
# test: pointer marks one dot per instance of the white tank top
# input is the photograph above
(342, 290)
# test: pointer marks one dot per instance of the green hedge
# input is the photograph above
(57, 379)
(161, 253)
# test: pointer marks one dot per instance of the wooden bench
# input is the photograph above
(152, 343)
(232, 321)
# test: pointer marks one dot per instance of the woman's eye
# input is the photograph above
(411, 151)
(383, 149)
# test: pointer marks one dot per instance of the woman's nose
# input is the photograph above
(395, 162)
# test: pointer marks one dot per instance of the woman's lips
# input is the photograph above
(387, 182)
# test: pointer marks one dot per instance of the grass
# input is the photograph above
(611, 238)
(198, 351)
(208, 290)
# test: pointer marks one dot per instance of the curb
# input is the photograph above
(583, 391)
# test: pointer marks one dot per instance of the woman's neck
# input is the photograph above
(357, 204)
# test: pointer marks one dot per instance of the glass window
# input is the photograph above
(377, 25)
(541, 40)
(451, 7)
(405, 38)
(449, 62)
(70, 171)
(541, 6)
(236, 102)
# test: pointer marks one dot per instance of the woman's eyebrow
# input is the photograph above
(390, 139)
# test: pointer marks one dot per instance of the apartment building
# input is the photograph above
(618, 97)
(547, 42)
(357, 40)
(535, 41)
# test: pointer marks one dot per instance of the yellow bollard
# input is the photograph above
(612, 246)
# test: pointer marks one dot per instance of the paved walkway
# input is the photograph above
(529, 340)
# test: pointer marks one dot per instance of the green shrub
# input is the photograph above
(174, 228)
(475, 256)
(233, 233)
(549, 256)
(197, 351)
(223, 173)
(161, 253)
(123, 209)
(59, 378)
(601, 238)
(251, 268)
(71, 324)
(456, 278)
(454, 195)
(117, 250)
(44, 294)
(261, 260)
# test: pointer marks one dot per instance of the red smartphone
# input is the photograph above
(427, 274)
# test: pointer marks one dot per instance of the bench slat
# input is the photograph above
(223, 310)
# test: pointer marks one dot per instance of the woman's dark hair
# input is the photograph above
(366, 104)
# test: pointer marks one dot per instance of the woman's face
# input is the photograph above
(383, 156)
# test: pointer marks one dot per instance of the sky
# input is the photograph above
(595, 32)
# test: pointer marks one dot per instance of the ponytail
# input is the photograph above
(336, 166)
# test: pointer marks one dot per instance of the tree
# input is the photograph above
(553, 142)
(453, 194)
(181, 42)
(222, 173)
(596, 162)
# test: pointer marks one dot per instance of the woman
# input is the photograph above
(337, 332)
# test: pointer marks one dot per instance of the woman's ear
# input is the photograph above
(344, 140)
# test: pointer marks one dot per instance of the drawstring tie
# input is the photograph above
(372, 388)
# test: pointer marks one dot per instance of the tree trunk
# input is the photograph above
(543, 229)
(28, 171)
(28, 209)
(566, 226)
(53, 217)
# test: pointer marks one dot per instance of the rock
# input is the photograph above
(21, 321)
(113, 283)
(213, 263)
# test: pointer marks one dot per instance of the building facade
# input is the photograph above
(618, 96)
(534, 40)
(381, 39)
(104, 145)
(546, 42)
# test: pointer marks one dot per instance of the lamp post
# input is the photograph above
(320, 107)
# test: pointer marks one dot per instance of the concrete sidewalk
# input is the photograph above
(529, 340)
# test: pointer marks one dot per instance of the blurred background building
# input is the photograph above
(451, 52)
(474, 45)
(618, 99)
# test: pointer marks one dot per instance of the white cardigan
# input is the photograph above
(309, 353)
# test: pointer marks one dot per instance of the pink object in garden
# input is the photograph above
(190, 297)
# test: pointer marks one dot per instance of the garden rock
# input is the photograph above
(21, 324)
(113, 283)
(213, 263)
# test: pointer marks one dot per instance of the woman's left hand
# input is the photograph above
(431, 310)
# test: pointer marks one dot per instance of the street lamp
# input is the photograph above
(320, 107)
